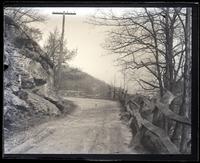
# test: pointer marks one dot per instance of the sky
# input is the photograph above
(87, 38)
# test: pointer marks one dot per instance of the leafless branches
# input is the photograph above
(158, 33)
(52, 50)
(23, 17)
(157, 40)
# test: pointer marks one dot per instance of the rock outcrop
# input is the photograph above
(28, 88)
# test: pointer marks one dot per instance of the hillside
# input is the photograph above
(75, 80)
(29, 96)
(29, 93)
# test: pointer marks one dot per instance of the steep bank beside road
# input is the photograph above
(29, 96)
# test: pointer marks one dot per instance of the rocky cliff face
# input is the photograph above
(28, 90)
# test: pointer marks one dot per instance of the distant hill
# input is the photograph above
(76, 82)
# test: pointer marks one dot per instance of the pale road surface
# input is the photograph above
(93, 128)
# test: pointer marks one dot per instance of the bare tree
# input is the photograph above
(23, 17)
(185, 109)
(155, 40)
(144, 39)
(52, 50)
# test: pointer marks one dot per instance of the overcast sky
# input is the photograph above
(87, 38)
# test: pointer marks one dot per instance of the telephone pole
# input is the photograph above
(61, 44)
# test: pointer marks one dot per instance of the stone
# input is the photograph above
(42, 105)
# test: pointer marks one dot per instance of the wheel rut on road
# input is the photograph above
(93, 128)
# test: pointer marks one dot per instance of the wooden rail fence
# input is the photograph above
(147, 120)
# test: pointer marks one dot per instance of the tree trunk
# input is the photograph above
(181, 135)
(169, 76)
(185, 138)
(169, 32)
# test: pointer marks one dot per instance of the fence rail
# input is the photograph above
(147, 116)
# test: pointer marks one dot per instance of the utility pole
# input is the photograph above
(61, 45)
(114, 87)
(124, 77)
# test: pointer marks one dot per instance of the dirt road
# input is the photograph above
(93, 128)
